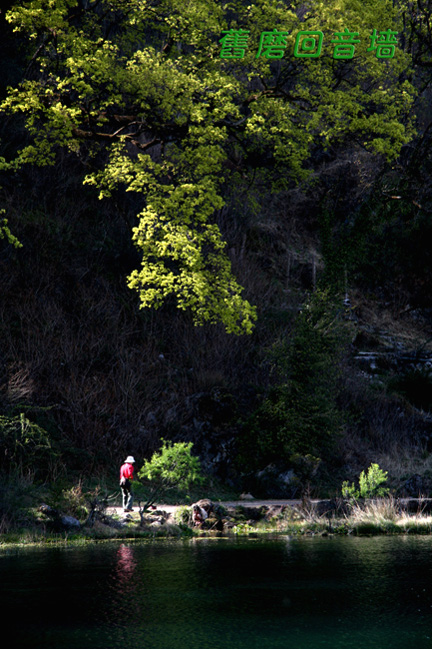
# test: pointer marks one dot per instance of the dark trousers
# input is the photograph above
(127, 495)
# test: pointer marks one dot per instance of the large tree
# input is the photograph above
(148, 97)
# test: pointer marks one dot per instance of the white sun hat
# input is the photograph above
(130, 459)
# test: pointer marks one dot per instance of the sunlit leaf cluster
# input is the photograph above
(138, 91)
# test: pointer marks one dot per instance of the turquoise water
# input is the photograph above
(373, 593)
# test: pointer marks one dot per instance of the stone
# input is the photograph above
(247, 496)
(70, 523)
(60, 522)
(414, 486)
(275, 481)
(199, 513)
(205, 504)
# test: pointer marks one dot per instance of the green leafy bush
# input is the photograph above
(73, 501)
(173, 466)
(369, 484)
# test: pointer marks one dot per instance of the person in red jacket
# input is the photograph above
(126, 477)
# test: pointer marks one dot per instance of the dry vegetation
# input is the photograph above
(74, 341)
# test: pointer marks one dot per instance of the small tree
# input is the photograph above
(369, 484)
(170, 467)
(300, 418)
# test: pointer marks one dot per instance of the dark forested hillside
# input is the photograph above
(257, 277)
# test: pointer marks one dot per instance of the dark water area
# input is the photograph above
(373, 593)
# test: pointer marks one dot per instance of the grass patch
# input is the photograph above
(371, 517)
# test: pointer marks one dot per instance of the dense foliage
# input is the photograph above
(172, 467)
(370, 484)
(242, 188)
(299, 422)
(139, 92)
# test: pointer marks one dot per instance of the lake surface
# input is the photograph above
(364, 593)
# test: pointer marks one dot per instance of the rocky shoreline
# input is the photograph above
(237, 517)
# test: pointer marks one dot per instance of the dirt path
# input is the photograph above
(171, 509)
(410, 503)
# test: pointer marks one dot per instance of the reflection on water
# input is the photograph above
(121, 605)
(215, 594)
(126, 564)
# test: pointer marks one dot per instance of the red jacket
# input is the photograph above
(126, 471)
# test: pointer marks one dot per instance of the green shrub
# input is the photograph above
(300, 416)
(74, 501)
(369, 484)
(173, 466)
(25, 446)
